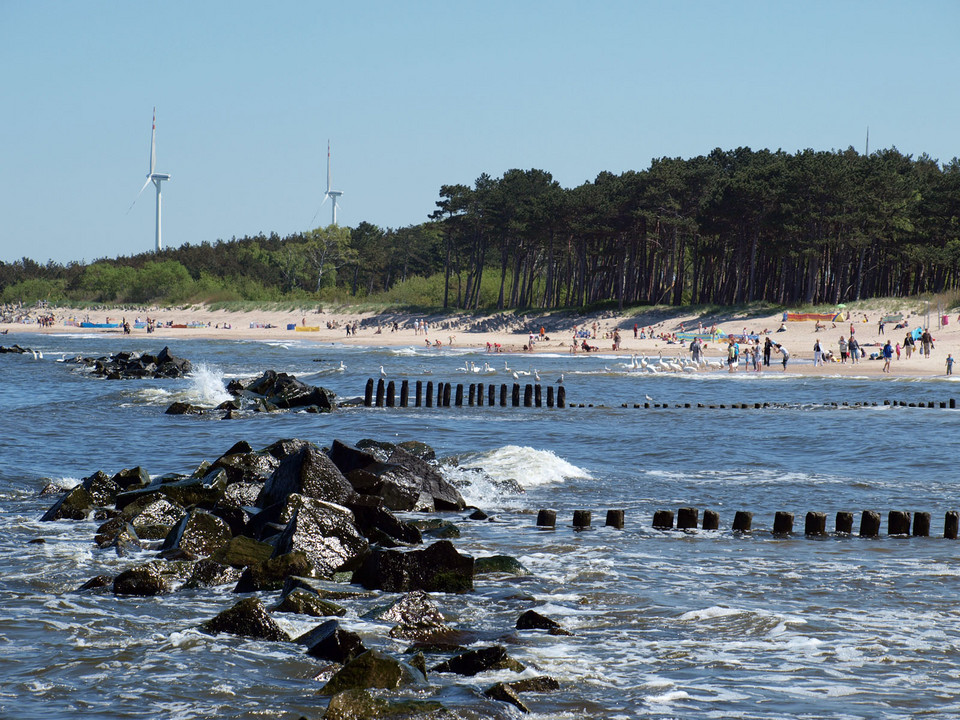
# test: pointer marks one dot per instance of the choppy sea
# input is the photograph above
(666, 624)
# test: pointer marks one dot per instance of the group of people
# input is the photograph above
(755, 356)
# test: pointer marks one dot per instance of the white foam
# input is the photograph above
(526, 466)
(207, 387)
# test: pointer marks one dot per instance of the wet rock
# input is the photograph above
(125, 541)
(302, 602)
(248, 618)
(100, 582)
(500, 564)
(445, 496)
(435, 527)
(325, 533)
(328, 641)
(76, 504)
(399, 488)
(375, 522)
(284, 448)
(308, 472)
(373, 669)
(273, 573)
(472, 662)
(348, 458)
(242, 464)
(199, 533)
(132, 365)
(141, 581)
(416, 617)
(131, 478)
(103, 490)
(478, 514)
(208, 573)
(359, 704)
(182, 408)
(504, 693)
(418, 449)
(285, 391)
(539, 684)
(324, 588)
(153, 516)
(241, 552)
(437, 568)
(532, 620)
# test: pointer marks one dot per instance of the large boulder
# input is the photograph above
(325, 588)
(285, 391)
(308, 472)
(381, 526)
(325, 533)
(399, 488)
(304, 602)
(445, 496)
(437, 568)
(348, 458)
(328, 641)
(273, 573)
(131, 478)
(141, 581)
(242, 464)
(415, 617)
(532, 620)
(153, 516)
(198, 534)
(358, 704)
(472, 662)
(373, 669)
(242, 551)
(76, 504)
(248, 618)
(208, 573)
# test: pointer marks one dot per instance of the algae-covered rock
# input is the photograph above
(373, 669)
(248, 618)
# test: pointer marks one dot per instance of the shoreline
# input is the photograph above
(512, 334)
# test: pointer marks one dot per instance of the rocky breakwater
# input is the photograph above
(134, 365)
(317, 528)
(270, 392)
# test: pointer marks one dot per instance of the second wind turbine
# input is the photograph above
(333, 195)
(153, 176)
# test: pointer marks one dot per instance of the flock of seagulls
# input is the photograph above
(678, 364)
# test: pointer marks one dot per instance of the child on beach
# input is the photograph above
(949, 364)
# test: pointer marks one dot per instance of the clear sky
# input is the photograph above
(417, 94)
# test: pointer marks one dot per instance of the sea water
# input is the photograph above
(706, 624)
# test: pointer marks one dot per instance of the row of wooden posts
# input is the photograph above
(951, 403)
(476, 394)
(899, 522)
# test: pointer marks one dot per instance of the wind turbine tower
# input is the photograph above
(153, 176)
(332, 194)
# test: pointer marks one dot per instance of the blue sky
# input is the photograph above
(414, 95)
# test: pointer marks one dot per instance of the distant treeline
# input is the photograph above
(727, 228)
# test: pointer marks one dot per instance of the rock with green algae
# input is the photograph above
(499, 564)
(373, 669)
(357, 704)
(304, 602)
(273, 573)
(248, 618)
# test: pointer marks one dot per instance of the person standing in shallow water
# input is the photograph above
(887, 356)
(767, 349)
(785, 354)
(949, 364)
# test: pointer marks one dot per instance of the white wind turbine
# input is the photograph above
(153, 176)
(331, 194)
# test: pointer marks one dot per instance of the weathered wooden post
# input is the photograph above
(581, 519)
(711, 520)
(898, 522)
(687, 518)
(515, 395)
(951, 524)
(503, 395)
(815, 523)
(742, 521)
(459, 398)
(547, 518)
(446, 394)
(391, 394)
(380, 393)
(869, 523)
(492, 395)
(528, 395)
(844, 523)
(419, 392)
(473, 394)
(921, 524)
(537, 396)
(549, 396)
(783, 523)
(615, 519)
(561, 397)
(479, 394)
(404, 393)
(429, 395)
(663, 520)
(368, 393)
(440, 393)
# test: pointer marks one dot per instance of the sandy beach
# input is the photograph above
(511, 333)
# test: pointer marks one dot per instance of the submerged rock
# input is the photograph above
(248, 618)
(373, 669)
(477, 661)
(437, 568)
(331, 642)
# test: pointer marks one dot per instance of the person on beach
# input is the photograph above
(949, 364)
(908, 345)
(887, 356)
(767, 349)
(854, 350)
(784, 353)
(817, 354)
(731, 356)
(926, 342)
(843, 350)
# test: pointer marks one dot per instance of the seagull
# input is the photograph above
(560, 379)
(536, 375)
(515, 376)
(648, 398)
(342, 366)
(383, 373)
(506, 367)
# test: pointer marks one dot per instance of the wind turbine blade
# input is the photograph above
(328, 166)
(153, 143)
(138, 196)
